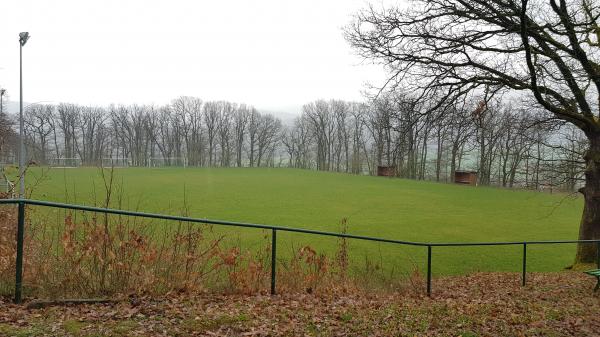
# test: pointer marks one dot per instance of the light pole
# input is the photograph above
(23, 37)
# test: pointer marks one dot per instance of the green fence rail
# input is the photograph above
(21, 203)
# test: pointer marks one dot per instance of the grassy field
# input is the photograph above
(374, 206)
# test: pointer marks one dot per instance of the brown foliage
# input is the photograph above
(8, 245)
(486, 304)
(91, 254)
(86, 254)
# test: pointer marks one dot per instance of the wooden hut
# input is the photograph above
(386, 171)
(465, 177)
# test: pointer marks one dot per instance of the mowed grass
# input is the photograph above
(373, 206)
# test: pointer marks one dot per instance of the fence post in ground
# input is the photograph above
(428, 270)
(598, 254)
(524, 263)
(273, 256)
(19, 262)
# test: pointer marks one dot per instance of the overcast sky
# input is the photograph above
(274, 54)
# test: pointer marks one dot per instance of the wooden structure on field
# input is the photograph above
(386, 171)
(465, 177)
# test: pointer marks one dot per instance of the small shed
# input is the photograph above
(386, 171)
(465, 177)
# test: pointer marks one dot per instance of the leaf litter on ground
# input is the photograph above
(480, 304)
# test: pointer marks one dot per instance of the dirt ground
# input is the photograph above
(484, 304)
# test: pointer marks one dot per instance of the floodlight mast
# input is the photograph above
(23, 37)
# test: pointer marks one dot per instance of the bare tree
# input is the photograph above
(160, 130)
(38, 128)
(186, 122)
(358, 112)
(253, 128)
(546, 48)
(228, 110)
(211, 118)
(240, 125)
(297, 140)
(92, 134)
(8, 138)
(322, 122)
(68, 115)
(268, 130)
(341, 113)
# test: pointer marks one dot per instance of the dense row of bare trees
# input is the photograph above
(186, 132)
(8, 137)
(500, 138)
(506, 143)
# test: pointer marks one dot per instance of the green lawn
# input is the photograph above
(374, 206)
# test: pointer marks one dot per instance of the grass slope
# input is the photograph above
(374, 206)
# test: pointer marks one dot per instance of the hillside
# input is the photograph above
(374, 206)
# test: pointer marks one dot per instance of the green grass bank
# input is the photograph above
(374, 206)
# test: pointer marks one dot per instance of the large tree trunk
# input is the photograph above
(589, 228)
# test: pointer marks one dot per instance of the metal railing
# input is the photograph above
(429, 245)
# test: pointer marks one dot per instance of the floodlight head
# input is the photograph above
(23, 37)
(2, 92)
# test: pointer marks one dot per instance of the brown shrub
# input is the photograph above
(90, 254)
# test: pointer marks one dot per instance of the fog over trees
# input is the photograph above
(501, 138)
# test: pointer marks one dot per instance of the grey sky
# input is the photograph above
(273, 54)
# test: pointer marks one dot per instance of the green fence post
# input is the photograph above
(273, 256)
(598, 254)
(428, 270)
(19, 262)
(524, 263)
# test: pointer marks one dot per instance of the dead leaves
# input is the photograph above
(486, 304)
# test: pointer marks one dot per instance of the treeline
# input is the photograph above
(505, 142)
(186, 132)
(8, 137)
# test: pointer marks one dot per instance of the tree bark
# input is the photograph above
(589, 228)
